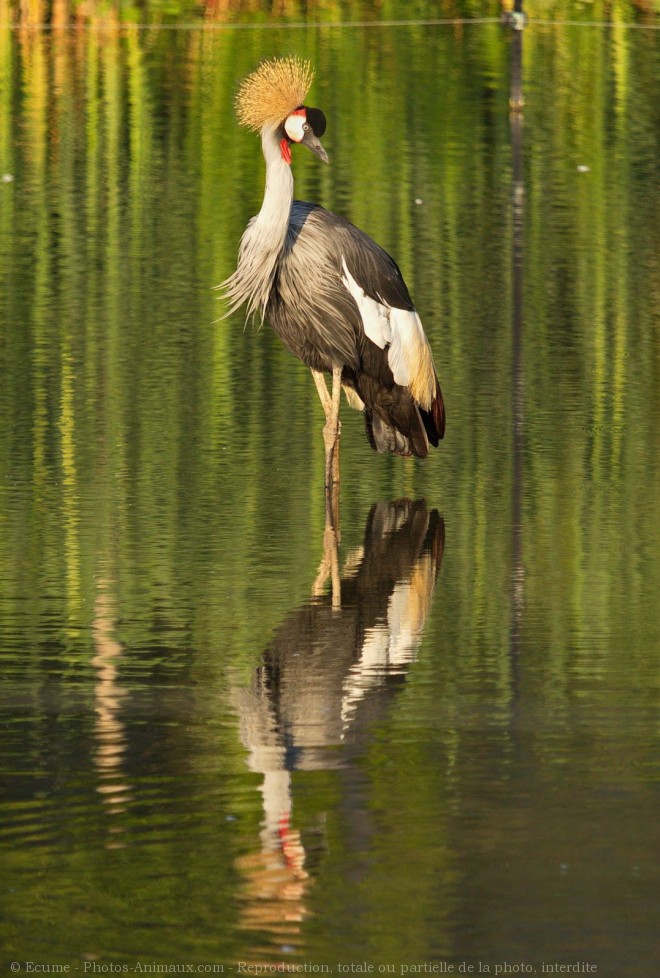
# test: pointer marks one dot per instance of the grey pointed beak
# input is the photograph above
(314, 143)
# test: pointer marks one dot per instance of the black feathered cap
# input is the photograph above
(316, 120)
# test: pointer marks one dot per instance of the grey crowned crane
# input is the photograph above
(334, 297)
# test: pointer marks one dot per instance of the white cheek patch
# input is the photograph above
(293, 127)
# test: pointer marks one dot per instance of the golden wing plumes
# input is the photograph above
(273, 91)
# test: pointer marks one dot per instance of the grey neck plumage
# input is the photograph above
(265, 235)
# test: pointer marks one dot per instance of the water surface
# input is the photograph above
(203, 761)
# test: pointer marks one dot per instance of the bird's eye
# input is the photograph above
(305, 127)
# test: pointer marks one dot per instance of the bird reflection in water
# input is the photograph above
(328, 674)
(109, 731)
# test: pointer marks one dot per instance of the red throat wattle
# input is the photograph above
(285, 150)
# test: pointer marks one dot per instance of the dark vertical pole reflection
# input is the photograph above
(516, 103)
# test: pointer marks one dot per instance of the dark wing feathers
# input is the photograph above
(317, 318)
(369, 264)
(372, 268)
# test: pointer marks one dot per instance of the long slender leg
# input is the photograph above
(331, 429)
(334, 422)
(330, 564)
(319, 380)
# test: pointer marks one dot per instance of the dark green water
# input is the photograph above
(203, 764)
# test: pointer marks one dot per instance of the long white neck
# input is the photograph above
(273, 218)
(264, 236)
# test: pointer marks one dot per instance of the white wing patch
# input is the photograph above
(409, 353)
(389, 647)
(410, 356)
(375, 317)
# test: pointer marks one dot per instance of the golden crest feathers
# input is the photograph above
(273, 91)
